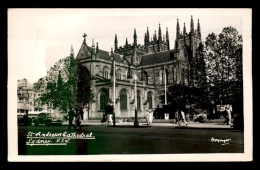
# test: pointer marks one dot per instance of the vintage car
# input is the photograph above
(22, 119)
(47, 119)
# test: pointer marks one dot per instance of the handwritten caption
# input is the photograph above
(49, 138)
(221, 141)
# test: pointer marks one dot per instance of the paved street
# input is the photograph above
(143, 140)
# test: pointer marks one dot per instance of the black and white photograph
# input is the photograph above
(125, 85)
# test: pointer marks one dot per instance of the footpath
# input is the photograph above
(157, 124)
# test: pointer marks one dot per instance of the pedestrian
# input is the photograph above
(226, 116)
(177, 117)
(148, 117)
(81, 113)
(78, 119)
(109, 120)
(104, 118)
(85, 113)
(151, 116)
(71, 115)
(183, 117)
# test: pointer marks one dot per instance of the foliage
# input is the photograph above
(85, 94)
(224, 65)
(58, 88)
(215, 74)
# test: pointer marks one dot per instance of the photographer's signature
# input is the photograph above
(221, 141)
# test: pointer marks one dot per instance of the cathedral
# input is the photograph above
(155, 65)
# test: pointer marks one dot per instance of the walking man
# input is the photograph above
(71, 115)
(183, 117)
(177, 117)
(78, 119)
(148, 117)
(227, 115)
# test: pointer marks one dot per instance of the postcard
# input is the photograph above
(129, 85)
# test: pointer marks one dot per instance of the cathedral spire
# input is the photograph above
(167, 38)
(184, 33)
(145, 39)
(97, 49)
(184, 30)
(112, 53)
(116, 43)
(135, 38)
(93, 43)
(167, 34)
(147, 35)
(93, 48)
(160, 33)
(191, 25)
(198, 29)
(155, 36)
(126, 42)
(71, 51)
(177, 29)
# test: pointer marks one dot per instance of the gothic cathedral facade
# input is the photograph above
(154, 64)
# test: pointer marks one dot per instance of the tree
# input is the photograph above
(59, 88)
(84, 92)
(224, 66)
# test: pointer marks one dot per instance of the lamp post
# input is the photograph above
(114, 87)
(165, 95)
(136, 123)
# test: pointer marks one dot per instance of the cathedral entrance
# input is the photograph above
(103, 99)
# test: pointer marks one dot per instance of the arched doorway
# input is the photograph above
(150, 100)
(123, 99)
(103, 99)
(146, 77)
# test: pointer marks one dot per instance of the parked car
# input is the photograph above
(47, 119)
(32, 116)
(200, 118)
(22, 119)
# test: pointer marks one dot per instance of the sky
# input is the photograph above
(37, 38)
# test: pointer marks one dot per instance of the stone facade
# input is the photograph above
(149, 62)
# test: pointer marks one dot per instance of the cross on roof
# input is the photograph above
(85, 35)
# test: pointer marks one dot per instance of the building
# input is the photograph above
(23, 93)
(27, 98)
(154, 63)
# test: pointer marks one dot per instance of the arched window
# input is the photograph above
(97, 70)
(119, 74)
(162, 76)
(145, 77)
(138, 100)
(150, 100)
(103, 99)
(123, 100)
(166, 73)
(105, 72)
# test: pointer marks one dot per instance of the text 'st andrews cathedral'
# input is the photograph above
(147, 61)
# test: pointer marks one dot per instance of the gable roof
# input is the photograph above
(157, 57)
(105, 55)
(85, 50)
